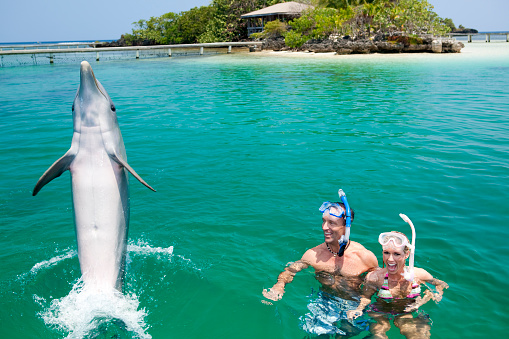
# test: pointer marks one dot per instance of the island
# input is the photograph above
(340, 26)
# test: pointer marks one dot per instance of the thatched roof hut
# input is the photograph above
(284, 11)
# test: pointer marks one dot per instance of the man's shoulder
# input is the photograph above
(362, 254)
(312, 255)
(314, 251)
(359, 249)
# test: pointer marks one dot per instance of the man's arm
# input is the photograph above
(276, 292)
(369, 288)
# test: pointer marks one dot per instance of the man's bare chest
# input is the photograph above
(340, 266)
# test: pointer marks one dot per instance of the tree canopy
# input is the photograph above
(221, 21)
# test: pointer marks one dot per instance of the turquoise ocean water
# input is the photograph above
(242, 150)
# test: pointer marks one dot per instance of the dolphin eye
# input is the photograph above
(73, 107)
(113, 108)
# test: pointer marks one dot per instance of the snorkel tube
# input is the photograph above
(409, 273)
(344, 238)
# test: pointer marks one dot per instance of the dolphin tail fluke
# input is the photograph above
(124, 163)
(56, 170)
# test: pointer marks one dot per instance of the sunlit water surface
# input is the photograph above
(242, 150)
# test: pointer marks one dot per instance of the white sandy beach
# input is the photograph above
(474, 49)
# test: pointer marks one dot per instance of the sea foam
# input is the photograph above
(90, 313)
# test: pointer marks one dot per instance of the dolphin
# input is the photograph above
(99, 182)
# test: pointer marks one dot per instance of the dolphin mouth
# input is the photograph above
(88, 82)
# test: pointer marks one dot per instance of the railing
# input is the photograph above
(91, 47)
(47, 46)
(488, 35)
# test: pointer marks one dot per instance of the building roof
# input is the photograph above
(288, 8)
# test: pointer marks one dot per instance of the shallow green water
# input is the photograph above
(242, 151)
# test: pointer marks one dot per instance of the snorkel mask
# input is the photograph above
(399, 240)
(326, 206)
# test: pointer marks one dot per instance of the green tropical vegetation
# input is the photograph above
(359, 19)
(220, 21)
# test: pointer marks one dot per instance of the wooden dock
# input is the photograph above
(51, 49)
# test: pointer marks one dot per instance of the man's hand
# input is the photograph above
(353, 314)
(273, 293)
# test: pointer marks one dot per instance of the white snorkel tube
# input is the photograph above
(409, 273)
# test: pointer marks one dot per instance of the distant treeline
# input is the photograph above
(220, 21)
(459, 29)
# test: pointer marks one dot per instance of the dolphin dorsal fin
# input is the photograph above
(124, 163)
(55, 170)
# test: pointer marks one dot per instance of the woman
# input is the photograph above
(399, 289)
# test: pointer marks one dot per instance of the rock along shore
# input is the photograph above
(378, 44)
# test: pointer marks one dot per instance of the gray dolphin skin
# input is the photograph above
(100, 185)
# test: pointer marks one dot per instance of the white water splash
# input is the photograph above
(83, 312)
(145, 248)
(53, 261)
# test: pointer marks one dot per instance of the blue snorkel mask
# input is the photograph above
(326, 206)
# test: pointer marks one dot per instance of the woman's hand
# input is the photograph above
(419, 301)
(437, 296)
(415, 306)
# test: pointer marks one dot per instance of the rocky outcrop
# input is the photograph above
(378, 44)
(451, 46)
(277, 44)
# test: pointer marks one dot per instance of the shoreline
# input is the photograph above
(472, 52)
(474, 49)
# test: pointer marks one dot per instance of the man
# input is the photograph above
(339, 264)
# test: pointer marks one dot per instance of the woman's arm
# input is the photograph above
(440, 286)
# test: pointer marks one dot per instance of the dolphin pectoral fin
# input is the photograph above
(123, 163)
(55, 170)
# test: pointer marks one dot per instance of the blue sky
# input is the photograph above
(69, 20)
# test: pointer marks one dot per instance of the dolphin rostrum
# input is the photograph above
(99, 182)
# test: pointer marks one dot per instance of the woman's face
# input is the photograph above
(394, 258)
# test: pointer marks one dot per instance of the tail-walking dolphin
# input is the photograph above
(99, 182)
